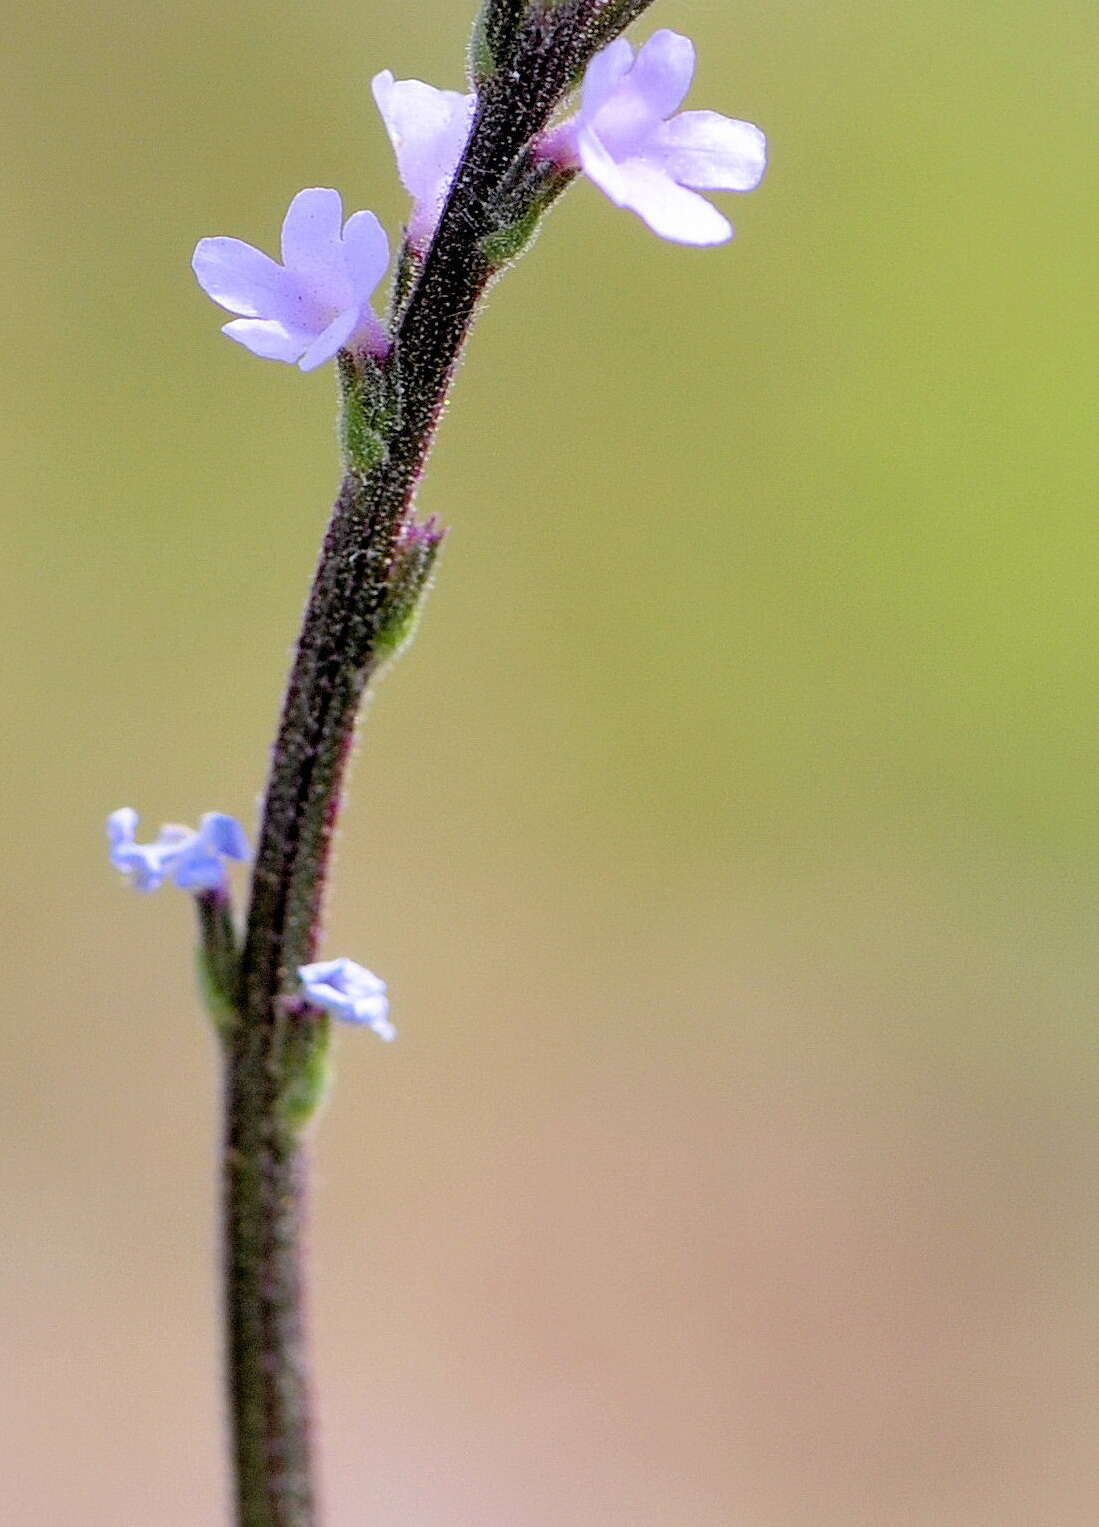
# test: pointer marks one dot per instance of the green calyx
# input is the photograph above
(531, 190)
(409, 580)
(507, 244)
(482, 57)
(306, 1065)
(370, 407)
(217, 960)
(494, 34)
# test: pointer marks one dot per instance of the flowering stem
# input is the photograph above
(263, 1196)
(372, 568)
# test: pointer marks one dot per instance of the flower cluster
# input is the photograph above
(194, 861)
(628, 137)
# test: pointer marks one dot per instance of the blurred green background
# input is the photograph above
(729, 839)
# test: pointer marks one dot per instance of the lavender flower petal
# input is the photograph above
(603, 76)
(428, 129)
(193, 860)
(267, 338)
(671, 210)
(350, 992)
(240, 278)
(311, 231)
(365, 250)
(662, 72)
(330, 340)
(709, 152)
(225, 835)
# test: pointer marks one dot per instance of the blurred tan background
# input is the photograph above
(730, 839)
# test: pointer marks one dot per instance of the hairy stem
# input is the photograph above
(263, 1195)
(611, 17)
(345, 631)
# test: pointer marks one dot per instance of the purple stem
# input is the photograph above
(348, 618)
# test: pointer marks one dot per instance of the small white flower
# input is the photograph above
(350, 992)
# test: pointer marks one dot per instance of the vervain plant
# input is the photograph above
(482, 169)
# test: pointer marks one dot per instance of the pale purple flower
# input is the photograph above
(628, 139)
(428, 129)
(318, 300)
(350, 992)
(193, 860)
